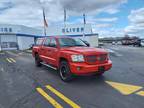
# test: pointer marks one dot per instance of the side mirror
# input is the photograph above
(87, 44)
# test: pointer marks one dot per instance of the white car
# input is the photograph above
(142, 43)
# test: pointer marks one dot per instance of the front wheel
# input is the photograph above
(100, 74)
(64, 71)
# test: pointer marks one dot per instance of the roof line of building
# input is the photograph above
(27, 35)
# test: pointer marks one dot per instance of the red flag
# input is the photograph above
(45, 22)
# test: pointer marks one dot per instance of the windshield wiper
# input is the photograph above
(79, 45)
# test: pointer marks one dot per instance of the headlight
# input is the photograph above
(77, 58)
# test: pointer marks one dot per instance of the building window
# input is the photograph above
(10, 29)
(5, 30)
(12, 44)
(77, 29)
(63, 30)
(70, 30)
(73, 29)
(67, 30)
(1, 29)
(82, 29)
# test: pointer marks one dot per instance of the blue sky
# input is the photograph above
(122, 17)
(107, 17)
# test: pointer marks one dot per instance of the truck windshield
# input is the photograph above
(70, 42)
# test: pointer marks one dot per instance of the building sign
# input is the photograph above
(73, 30)
(6, 30)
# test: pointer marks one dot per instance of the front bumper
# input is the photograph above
(83, 68)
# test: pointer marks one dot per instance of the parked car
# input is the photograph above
(71, 56)
(142, 43)
(135, 41)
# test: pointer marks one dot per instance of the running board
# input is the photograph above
(48, 65)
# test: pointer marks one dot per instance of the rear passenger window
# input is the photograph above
(39, 41)
(53, 43)
(47, 42)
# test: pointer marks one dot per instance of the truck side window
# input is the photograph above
(53, 43)
(47, 42)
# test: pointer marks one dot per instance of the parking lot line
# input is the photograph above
(8, 60)
(12, 60)
(49, 98)
(141, 93)
(60, 95)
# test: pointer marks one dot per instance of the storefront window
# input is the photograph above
(77, 29)
(5, 30)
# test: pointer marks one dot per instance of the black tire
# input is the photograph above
(37, 60)
(99, 74)
(64, 71)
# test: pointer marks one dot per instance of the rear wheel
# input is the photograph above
(64, 71)
(37, 60)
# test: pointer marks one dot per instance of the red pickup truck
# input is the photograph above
(71, 56)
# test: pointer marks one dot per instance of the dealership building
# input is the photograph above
(19, 37)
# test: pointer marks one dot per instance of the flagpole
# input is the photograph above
(84, 21)
(65, 20)
(45, 30)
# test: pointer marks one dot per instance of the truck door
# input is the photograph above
(53, 52)
(44, 50)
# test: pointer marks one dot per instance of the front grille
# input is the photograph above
(102, 57)
(91, 58)
(94, 59)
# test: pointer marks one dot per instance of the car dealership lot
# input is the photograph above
(25, 86)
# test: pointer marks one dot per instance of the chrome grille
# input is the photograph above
(102, 57)
(91, 58)
(96, 58)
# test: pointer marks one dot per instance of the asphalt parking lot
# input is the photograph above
(22, 85)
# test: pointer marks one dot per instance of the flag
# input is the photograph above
(84, 19)
(45, 22)
(64, 15)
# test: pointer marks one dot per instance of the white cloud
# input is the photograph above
(92, 6)
(103, 25)
(29, 12)
(136, 19)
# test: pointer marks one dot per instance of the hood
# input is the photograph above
(85, 50)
